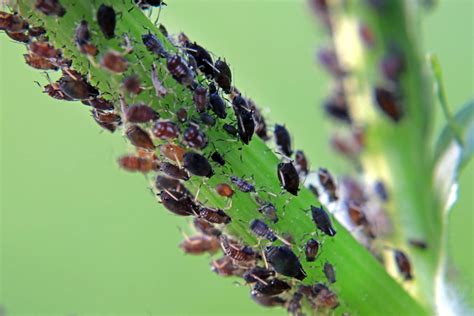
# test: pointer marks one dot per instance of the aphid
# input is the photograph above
(329, 60)
(137, 164)
(108, 120)
(207, 119)
(50, 7)
(403, 264)
(20, 37)
(322, 221)
(99, 103)
(388, 103)
(172, 152)
(140, 113)
(200, 98)
(182, 115)
(174, 171)
(268, 301)
(202, 57)
(283, 140)
(44, 49)
(132, 84)
(237, 252)
(165, 130)
(223, 75)
(223, 189)
(294, 305)
(242, 185)
(311, 250)
(225, 267)
(260, 124)
(194, 137)
(154, 45)
(205, 227)
(366, 35)
(381, 191)
(356, 214)
(230, 129)
(259, 228)
(288, 177)
(420, 244)
(107, 20)
(36, 31)
(200, 244)
(179, 203)
(160, 89)
(53, 91)
(163, 30)
(114, 62)
(327, 182)
(284, 261)
(164, 183)
(329, 272)
(257, 274)
(217, 103)
(76, 88)
(13, 23)
(392, 65)
(301, 163)
(180, 70)
(245, 121)
(197, 164)
(272, 287)
(139, 138)
(217, 158)
(325, 298)
(5, 20)
(82, 34)
(336, 107)
(346, 146)
(214, 216)
(269, 211)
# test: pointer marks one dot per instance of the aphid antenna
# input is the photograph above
(170, 194)
(283, 240)
(259, 279)
(212, 66)
(265, 259)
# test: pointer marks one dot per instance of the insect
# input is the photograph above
(311, 250)
(356, 214)
(381, 190)
(197, 164)
(388, 103)
(214, 216)
(217, 158)
(174, 171)
(327, 182)
(225, 267)
(223, 189)
(180, 70)
(106, 19)
(301, 163)
(200, 244)
(268, 301)
(53, 91)
(154, 45)
(165, 130)
(205, 227)
(260, 124)
(420, 244)
(200, 98)
(107, 120)
(403, 264)
(137, 164)
(20, 37)
(269, 211)
(392, 65)
(259, 228)
(99, 103)
(76, 88)
(216, 102)
(223, 75)
(82, 38)
(163, 183)
(325, 297)
(140, 113)
(172, 152)
(114, 62)
(237, 252)
(283, 140)
(194, 137)
(50, 7)
(322, 221)
(242, 185)
(36, 31)
(139, 138)
(284, 261)
(257, 274)
(245, 121)
(38, 62)
(231, 130)
(329, 272)
(207, 119)
(294, 304)
(288, 177)
(182, 115)
(132, 84)
(336, 107)
(329, 60)
(202, 57)
(179, 203)
(272, 287)
(44, 49)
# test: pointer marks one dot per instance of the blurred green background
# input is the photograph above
(79, 236)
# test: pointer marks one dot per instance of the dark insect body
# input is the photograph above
(242, 185)
(260, 124)
(154, 45)
(225, 267)
(53, 91)
(36, 31)
(336, 107)
(76, 88)
(132, 84)
(214, 216)
(381, 190)
(329, 272)
(325, 298)
(177, 202)
(182, 115)
(284, 261)
(197, 164)
(173, 152)
(12, 23)
(99, 103)
(200, 244)
(223, 75)
(301, 163)
(294, 304)
(200, 98)
(205, 227)
(329, 60)
(268, 301)
(236, 252)
(202, 57)
(288, 177)
(180, 70)
(283, 140)
(174, 171)
(269, 211)
(245, 121)
(271, 288)
(356, 214)
(327, 182)
(388, 103)
(107, 120)
(137, 164)
(50, 7)
(392, 65)
(140, 113)
(114, 62)
(106, 19)
(217, 103)
(207, 119)
(194, 137)
(18, 36)
(44, 49)
(139, 138)
(231, 130)
(403, 264)
(165, 130)
(311, 250)
(259, 228)
(164, 183)
(217, 158)
(38, 62)
(322, 221)
(223, 189)
(257, 274)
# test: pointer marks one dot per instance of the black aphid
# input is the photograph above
(288, 177)
(322, 221)
(154, 45)
(259, 228)
(197, 164)
(217, 158)
(257, 273)
(329, 272)
(283, 140)
(107, 20)
(273, 287)
(202, 57)
(216, 102)
(223, 75)
(284, 261)
(243, 185)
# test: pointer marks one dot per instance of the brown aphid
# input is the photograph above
(20, 37)
(164, 183)
(311, 249)
(99, 103)
(107, 120)
(140, 113)
(223, 189)
(182, 115)
(174, 171)
(205, 227)
(5, 20)
(237, 252)
(329, 272)
(194, 137)
(134, 163)
(327, 182)
(44, 49)
(388, 103)
(36, 31)
(356, 214)
(139, 138)
(200, 98)
(417, 243)
(200, 244)
(50, 7)
(89, 49)
(15, 23)
(403, 264)
(160, 89)
(114, 62)
(76, 89)
(268, 301)
(214, 216)
(257, 274)
(38, 62)
(179, 70)
(132, 84)
(82, 34)
(165, 130)
(325, 298)
(301, 163)
(272, 287)
(173, 152)
(53, 91)
(225, 267)
(178, 202)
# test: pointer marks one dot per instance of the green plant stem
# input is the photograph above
(363, 287)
